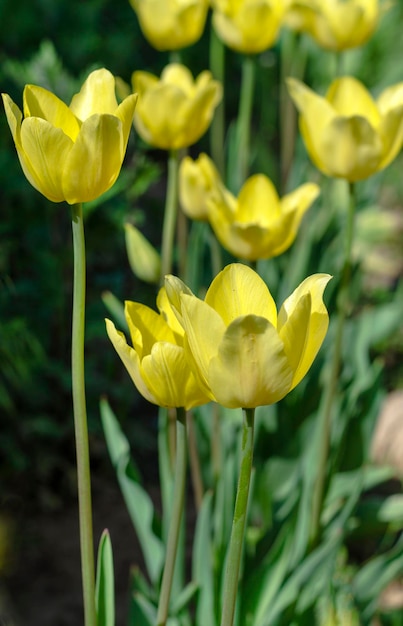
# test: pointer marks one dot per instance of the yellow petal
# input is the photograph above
(351, 148)
(95, 160)
(146, 327)
(390, 98)
(165, 308)
(251, 368)
(302, 324)
(204, 329)
(39, 102)
(239, 291)
(96, 96)
(45, 151)
(391, 133)
(258, 201)
(130, 360)
(125, 113)
(14, 118)
(167, 374)
(349, 98)
(143, 258)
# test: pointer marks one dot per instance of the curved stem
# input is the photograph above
(176, 517)
(80, 419)
(217, 129)
(244, 122)
(239, 520)
(331, 388)
(171, 210)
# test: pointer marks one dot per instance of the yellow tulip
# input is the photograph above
(174, 111)
(248, 26)
(143, 258)
(157, 363)
(348, 134)
(258, 224)
(171, 24)
(335, 24)
(72, 153)
(244, 354)
(197, 181)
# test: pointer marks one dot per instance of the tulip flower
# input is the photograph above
(171, 24)
(243, 352)
(197, 181)
(257, 224)
(157, 363)
(175, 110)
(248, 26)
(335, 24)
(72, 153)
(347, 133)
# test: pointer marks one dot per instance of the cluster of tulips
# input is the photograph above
(232, 347)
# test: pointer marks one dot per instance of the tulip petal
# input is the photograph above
(251, 368)
(204, 330)
(96, 96)
(258, 201)
(39, 102)
(238, 291)
(166, 374)
(167, 312)
(95, 160)
(125, 113)
(351, 147)
(350, 98)
(130, 360)
(391, 132)
(302, 324)
(44, 153)
(146, 327)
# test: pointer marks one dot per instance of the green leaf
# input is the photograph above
(104, 588)
(202, 564)
(138, 502)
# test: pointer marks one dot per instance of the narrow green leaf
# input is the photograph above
(105, 588)
(138, 502)
(202, 563)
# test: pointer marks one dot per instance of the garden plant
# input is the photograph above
(254, 323)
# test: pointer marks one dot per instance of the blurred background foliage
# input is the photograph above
(55, 45)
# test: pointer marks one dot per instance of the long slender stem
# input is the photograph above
(244, 122)
(239, 520)
(80, 419)
(176, 518)
(217, 129)
(171, 210)
(331, 388)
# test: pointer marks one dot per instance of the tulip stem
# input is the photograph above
(244, 123)
(176, 518)
(171, 210)
(80, 419)
(217, 130)
(239, 520)
(331, 387)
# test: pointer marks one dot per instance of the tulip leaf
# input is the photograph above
(138, 502)
(202, 561)
(104, 591)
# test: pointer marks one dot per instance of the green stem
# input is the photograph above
(171, 210)
(239, 521)
(80, 419)
(244, 122)
(217, 129)
(176, 518)
(331, 387)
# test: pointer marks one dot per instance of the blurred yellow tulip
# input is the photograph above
(174, 111)
(335, 24)
(347, 133)
(144, 259)
(171, 24)
(157, 363)
(197, 181)
(248, 26)
(72, 153)
(244, 354)
(258, 224)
